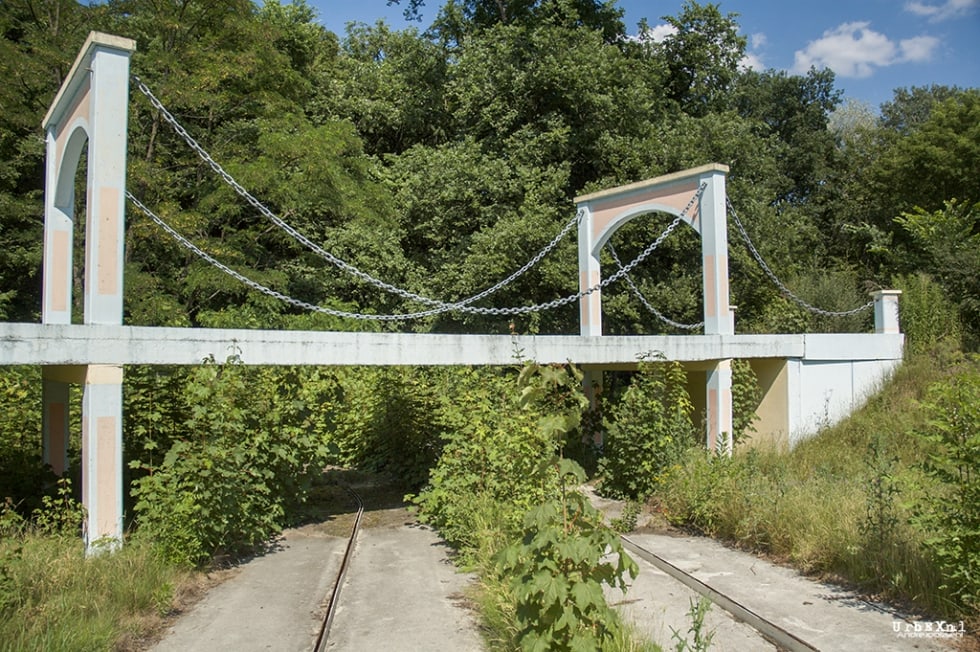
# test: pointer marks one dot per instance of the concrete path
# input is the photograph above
(825, 616)
(658, 608)
(402, 593)
(274, 602)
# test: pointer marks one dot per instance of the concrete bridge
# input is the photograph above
(807, 380)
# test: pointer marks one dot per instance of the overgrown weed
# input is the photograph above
(844, 503)
(54, 598)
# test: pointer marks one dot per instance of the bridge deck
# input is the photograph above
(47, 344)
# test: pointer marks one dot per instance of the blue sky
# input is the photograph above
(873, 46)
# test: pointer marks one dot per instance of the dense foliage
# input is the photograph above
(441, 160)
(647, 430)
(236, 460)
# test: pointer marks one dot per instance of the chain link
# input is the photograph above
(779, 284)
(444, 306)
(243, 279)
(649, 306)
(623, 271)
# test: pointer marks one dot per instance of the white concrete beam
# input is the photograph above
(78, 344)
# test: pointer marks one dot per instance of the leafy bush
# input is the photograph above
(746, 395)
(492, 454)
(390, 423)
(929, 317)
(502, 492)
(952, 517)
(60, 515)
(647, 430)
(557, 570)
(244, 458)
(23, 478)
(948, 242)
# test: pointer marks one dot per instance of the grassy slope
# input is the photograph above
(837, 505)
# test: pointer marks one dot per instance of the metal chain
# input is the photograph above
(517, 310)
(623, 271)
(779, 284)
(326, 255)
(243, 279)
(649, 306)
(531, 263)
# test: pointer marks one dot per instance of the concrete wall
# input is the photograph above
(834, 377)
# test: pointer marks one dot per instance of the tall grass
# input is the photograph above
(839, 505)
(53, 598)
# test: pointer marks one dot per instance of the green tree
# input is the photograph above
(390, 84)
(703, 55)
(459, 18)
(937, 159)
(947, 243)
(796, 110)
(923, 152)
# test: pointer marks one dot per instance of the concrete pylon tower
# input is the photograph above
(604, 212)
(91, 108)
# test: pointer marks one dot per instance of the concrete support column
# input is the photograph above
(719, 407)
(54, 426)
(886, 311)
(102, 477)
(719, 317)
(91, 108)
(56, 278)
(590, 305)
(590, 275)
(105, 223)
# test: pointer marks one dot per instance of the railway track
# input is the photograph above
(321, 640)
(772, 632)
(770, 607)
(769, 630)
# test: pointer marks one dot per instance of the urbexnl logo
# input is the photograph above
(928, 629)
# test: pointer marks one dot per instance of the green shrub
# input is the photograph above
(558, 568)
(929, 317)
(390, 421)
(61, 514)
(647, 430)
(23, 477)
(952, 516)
(746, 395)
(244, 457)
(492, 454)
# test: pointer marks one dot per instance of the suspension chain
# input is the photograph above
(649, 306)
(326, 255)
(444, 307)
(623, 271)
(239, 277)
(786, 292)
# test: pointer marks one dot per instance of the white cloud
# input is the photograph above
(919, 48)
(943, 11)
(658, 33)
(854, 50)
(752, 61)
